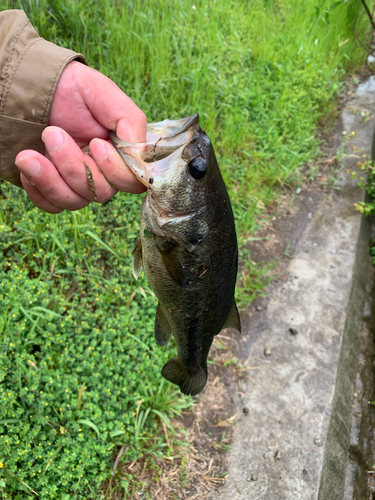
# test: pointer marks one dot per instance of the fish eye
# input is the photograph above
(197, 168)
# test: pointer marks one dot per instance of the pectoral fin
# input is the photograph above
(233, 319)
(137, 258)
(163, 331)
(170, 260)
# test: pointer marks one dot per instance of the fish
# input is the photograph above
(187, 244)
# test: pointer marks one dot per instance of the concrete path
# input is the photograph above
(294, 441)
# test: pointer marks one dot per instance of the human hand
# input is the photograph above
(85, 106)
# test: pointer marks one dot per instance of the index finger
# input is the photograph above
(113, 167)
(77, 169)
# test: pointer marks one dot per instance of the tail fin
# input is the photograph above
(190, 383)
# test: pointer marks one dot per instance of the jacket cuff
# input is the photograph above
(33, 82)
(26, 101)
(17, 135)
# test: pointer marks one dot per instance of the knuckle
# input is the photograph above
(71, 168)
(48, 189)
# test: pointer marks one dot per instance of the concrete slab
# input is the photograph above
(359, 483)
(293, 444)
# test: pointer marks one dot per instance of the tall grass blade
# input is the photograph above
(90, 424)
(101, 242)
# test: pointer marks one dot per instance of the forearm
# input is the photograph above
(30, 68)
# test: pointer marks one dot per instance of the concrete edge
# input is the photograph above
(339, 430)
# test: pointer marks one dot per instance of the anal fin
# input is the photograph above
(163, 331)
(233, 319)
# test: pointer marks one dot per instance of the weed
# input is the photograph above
(223, 444)
(367, 181)
(230, 362)
(253, 279)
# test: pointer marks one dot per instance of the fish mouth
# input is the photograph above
(162, 140)
(169, 129)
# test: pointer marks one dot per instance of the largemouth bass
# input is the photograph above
(187, 243)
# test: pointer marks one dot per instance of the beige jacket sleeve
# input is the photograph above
(30, 68)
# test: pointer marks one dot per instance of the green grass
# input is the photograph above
(79, 369)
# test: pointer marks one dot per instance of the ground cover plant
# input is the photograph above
(79, 369)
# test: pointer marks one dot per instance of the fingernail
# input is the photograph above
(28, 166)
(99, 150)
(52, 139)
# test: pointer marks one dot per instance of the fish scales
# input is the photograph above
(187, 244)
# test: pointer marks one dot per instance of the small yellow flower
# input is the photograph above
(1, 465)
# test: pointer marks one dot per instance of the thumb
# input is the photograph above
(110, 106)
